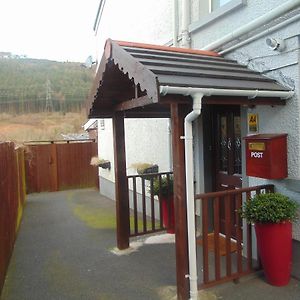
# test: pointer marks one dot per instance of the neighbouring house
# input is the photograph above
(91, 127)
(5, 54)
(238, 71)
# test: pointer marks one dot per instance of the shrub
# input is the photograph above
(270, 208)
(166, 187)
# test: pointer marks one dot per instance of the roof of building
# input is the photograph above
(136, 71)
(90, 124)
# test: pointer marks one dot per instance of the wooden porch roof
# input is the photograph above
(130, 74)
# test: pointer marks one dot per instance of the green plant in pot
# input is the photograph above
(272, 215)
(164, 190)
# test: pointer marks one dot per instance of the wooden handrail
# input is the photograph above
(150, 175)
(269, 187)
(58, 141)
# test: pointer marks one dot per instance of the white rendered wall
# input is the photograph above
(147, 141)
(257, 56)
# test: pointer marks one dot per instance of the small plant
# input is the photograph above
(145, 168)
(269, 208)
(99, 162)
(166, 187)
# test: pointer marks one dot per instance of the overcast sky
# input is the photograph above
(52, 29)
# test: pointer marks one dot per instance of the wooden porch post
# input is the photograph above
(121, 187)
(178, 113)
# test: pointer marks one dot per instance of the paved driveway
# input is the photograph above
(63, 251)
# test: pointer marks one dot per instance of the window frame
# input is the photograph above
(210, 4)
(215, 14)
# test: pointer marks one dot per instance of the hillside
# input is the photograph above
(25, 84)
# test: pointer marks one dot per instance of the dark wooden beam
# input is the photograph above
(178, 113)
(222, 100)
(133, 103)
(121, 184)
(180, 99)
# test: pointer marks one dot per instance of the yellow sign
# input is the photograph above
(253, 123)
(257, 146)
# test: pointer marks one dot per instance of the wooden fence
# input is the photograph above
(12, 197)
(60, 165)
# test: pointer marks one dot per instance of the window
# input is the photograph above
(207, 11)
(215, 4)
(102, 124)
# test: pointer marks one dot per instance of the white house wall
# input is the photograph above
(147, 141)
(256, 55)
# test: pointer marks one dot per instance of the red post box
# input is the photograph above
(266, 156)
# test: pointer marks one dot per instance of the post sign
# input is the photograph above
(252, 123)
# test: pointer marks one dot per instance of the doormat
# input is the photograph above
(222, 244)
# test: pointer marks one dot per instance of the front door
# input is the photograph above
(227, 155)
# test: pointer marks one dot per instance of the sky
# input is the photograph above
(59, 30)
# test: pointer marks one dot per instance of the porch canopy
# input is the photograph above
(145, 81)
(130, 77)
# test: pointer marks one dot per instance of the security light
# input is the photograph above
(275, 44)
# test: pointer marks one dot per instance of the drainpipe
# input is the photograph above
(261, 34)
(190, 196)
(175, 23)
(256, 23)
(186, 18)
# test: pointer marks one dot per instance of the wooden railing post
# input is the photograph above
(122, 196)
(178, 113)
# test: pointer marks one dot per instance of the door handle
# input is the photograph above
(229, 144)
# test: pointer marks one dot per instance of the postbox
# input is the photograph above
(266, 156)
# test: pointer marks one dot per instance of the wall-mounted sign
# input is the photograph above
(257, 146)
(252, 123)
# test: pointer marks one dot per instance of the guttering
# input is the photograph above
(190, 195)
(261, 34)
(274, 13)
(225, 92)
(186, 18)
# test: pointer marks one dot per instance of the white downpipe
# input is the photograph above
(225, 92)
(186, 20)
(190, 197)
(274, 13)
(175, 23)
(261, 34)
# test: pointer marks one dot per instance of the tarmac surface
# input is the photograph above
(65, 250)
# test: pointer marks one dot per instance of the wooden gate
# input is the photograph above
(60, 165)
(224, 258)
